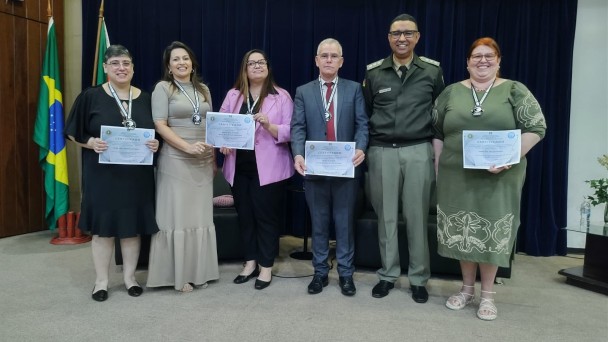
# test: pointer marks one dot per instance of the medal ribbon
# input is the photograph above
(327, 102)
(251, 107)
(478, 102)
(126, 115)
(195, 106)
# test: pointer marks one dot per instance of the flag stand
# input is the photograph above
(69, 233)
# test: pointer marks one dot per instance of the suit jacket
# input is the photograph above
(308, 120)
(272, 155)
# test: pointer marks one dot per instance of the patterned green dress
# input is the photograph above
(477, 211)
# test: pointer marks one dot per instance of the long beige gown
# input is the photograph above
(184, 250)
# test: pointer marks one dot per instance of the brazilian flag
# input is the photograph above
(48, 134)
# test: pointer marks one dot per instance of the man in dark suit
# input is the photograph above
(330, 109)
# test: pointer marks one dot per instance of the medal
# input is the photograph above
(477, 109)
(196, 116)
(196, 119)
(327, 116)
(126, 116)
(129, 124)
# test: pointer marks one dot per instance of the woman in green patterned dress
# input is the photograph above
(478, 209)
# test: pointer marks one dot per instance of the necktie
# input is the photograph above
(403, 70)
(331, 133)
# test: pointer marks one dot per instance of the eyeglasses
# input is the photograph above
(489, 57)
(261, 63)
(327, 56)
(407, 34)
(117, 64)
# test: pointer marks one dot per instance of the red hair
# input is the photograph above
(487, 41)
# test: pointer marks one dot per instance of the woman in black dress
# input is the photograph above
(117, 200)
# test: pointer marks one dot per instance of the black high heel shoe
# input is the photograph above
(240, 279)
(100, 295)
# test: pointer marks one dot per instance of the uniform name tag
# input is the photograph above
(384, 90)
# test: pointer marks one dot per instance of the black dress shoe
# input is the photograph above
(240, 279)
(100, 295)
(317, 284)
(260, 284)
(135, 291)
(419, 294)
(347, 285)
(381, 289)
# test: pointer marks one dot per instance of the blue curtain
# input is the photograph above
(536, 38)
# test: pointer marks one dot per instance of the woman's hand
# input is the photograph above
(225, 150)
(97, 145)
(496, 170)
(262, 119)
(199, 148)
(152, 144)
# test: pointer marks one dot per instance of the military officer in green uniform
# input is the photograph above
(399, 93)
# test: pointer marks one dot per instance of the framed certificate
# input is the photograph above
(484, 149)
(126, 146)
(230, 130)
(330, 158)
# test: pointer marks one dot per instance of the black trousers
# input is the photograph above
(260, 210)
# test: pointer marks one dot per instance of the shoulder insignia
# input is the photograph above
(428, 60)
(375, 64)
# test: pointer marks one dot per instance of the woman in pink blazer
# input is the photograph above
(258, 178)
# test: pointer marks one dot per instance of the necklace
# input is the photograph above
(196, 116)
(127, 121)
(477, 109)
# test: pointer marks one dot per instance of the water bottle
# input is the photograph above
(585, 215)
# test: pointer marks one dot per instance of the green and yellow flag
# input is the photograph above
(48, 134)
(103, 42)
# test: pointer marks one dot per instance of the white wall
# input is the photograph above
(589, 111)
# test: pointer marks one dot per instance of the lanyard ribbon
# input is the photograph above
(127, 121)
(196, 116)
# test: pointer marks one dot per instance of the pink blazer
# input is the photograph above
(273, 156)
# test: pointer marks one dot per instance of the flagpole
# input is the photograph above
(99, 21)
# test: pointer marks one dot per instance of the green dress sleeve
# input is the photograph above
(439, 110)
(526, 110)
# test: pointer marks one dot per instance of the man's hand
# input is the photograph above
(358, 158)
(299, 165)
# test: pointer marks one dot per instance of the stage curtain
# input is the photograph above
(536, 38)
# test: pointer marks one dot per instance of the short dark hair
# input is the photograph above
(403, 17)
(116, 50)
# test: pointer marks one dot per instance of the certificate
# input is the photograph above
(482, 149)
(330, 158)
(230, 130)
(126, 146)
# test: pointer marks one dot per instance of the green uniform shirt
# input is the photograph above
(400, 114)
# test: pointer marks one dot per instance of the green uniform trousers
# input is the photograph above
(406, 174)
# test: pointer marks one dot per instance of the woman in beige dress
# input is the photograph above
(183, 253)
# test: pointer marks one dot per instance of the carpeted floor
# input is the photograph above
(45, 296)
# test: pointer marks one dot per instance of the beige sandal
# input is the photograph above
(187, 288)
(487, 310)
(460, 300)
